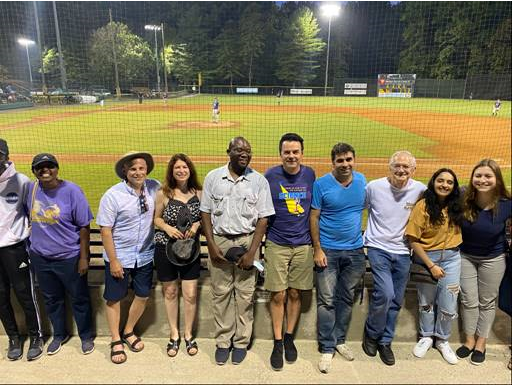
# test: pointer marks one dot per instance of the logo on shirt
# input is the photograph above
(293, 199)
(12, 198)
(48, 215)
(409, 205)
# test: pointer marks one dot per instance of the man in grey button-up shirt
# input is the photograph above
(235, 204)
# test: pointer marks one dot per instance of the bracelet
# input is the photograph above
(434, 264)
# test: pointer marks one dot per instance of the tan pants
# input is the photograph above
(232, 292)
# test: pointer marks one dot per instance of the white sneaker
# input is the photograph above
(447, 353)
(424, 344)
(325, 362)
(345, 352)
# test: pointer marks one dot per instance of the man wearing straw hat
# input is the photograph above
(126, 220)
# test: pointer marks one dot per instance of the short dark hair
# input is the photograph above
(235, 140)
(291, 137)
(341, 148)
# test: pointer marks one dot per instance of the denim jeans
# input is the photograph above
(336, 286)
(438, 303)
(390, 273)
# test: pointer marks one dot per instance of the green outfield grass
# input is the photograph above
(91, 129)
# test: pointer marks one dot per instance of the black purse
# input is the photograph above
(420, 273)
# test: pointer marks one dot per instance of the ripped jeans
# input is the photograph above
(438, 303)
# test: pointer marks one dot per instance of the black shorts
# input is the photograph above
(117, 288)
(167, 271)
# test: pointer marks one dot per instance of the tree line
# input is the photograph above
(259, 43)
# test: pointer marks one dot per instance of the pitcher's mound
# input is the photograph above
(204, 124)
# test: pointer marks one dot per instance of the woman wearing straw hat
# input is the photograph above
(125, 216)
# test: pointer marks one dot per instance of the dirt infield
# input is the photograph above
(481, 136)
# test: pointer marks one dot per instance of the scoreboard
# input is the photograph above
(396, 85)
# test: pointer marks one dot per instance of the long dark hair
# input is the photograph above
(453, 201)
(170, 182)
(470, 208)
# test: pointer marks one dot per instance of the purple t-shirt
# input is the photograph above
(57, 216)
(292, 196)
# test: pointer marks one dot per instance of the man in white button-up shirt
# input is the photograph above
(235, 204)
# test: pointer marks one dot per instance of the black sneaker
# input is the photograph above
(477, 357)
(15, 351)
(277, 355)
(35, 348)
(463, 351)
(386, 354)
(369, 345)
(238, 355)
(290, 348)
(222, 355)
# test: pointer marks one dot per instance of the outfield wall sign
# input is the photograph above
(396, 85)
(301, 91)
(355, 88)
(247, 90)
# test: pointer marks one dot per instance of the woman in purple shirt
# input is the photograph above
(487, 209)
(59, 250)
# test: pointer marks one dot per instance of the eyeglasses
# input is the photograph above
(142, 203)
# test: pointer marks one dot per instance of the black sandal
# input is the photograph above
(172, 346)
(117, 353)
(189, 345)
(132, 345)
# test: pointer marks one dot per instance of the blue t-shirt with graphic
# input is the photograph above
(292, 197)
(340, 221)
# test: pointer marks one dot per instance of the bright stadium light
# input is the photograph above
(26, 43)
(155, 28)
(330, 11)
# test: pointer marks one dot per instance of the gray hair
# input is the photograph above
(396, 154)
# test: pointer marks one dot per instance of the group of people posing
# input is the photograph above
(313, 233)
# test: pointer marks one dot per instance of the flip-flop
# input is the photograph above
(117, 353)
(132, 345)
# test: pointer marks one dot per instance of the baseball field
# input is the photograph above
(88, 139)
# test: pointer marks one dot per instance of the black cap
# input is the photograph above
(233, 254)
(4, 149)
(44, 158)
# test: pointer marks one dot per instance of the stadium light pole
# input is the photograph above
(155, 28)
(26, 43)
(330, 11)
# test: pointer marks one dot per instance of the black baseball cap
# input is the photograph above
(44, 158)
(233, 254)
(4, 149)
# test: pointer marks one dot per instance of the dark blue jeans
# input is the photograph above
(390, 273)
(336, 286)
(56, 278)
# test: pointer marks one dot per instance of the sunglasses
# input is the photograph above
(143, 203)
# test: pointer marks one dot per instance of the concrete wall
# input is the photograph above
(154, 321)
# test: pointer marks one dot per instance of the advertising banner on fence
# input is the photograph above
(355, 88)
(301, 91)
(247, 90)
(396, 85)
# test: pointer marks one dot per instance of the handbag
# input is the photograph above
(420, 273)
(505, 286)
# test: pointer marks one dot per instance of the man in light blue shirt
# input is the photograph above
(126, 220)
(335, 225)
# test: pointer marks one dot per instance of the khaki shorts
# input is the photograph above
(288, 266)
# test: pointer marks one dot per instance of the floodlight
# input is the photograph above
(330, 10)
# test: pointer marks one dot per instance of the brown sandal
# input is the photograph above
(117, 353)
(132, 345)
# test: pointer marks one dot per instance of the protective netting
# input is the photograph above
(421, 76)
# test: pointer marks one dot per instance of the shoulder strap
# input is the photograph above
(32, 200)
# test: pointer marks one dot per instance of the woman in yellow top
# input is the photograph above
(434, 233)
